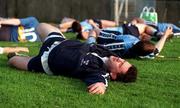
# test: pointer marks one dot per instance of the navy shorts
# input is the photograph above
(130, 29)
(35, 63)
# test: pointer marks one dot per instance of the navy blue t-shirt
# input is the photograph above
(74, 59)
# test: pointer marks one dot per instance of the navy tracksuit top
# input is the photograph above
(74, 59)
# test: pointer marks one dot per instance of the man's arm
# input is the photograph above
(138, 20)
(66, 25)
(160, 44)
(97, 88)
(96, 82)
(7, 50)
(93, 24)
(91, 37)
(10, 21)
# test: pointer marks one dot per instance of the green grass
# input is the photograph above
(157, 86)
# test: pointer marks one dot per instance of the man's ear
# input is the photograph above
(113, 76)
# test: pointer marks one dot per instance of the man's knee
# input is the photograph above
(44, 29)
(19, 62)
(12, 61)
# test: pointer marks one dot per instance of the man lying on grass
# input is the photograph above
(89, 62)
(19, 29)
(128, 46)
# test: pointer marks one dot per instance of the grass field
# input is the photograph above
(157, 86)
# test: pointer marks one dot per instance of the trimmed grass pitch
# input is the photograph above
(157, 86)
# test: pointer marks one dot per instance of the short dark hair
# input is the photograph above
(79, 36)
(130, 76)
(76, 27)
(143, 48)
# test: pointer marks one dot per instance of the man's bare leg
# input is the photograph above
(107, 23)
(44, 29)
(19, 62)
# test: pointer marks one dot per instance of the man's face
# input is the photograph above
(117, 66)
